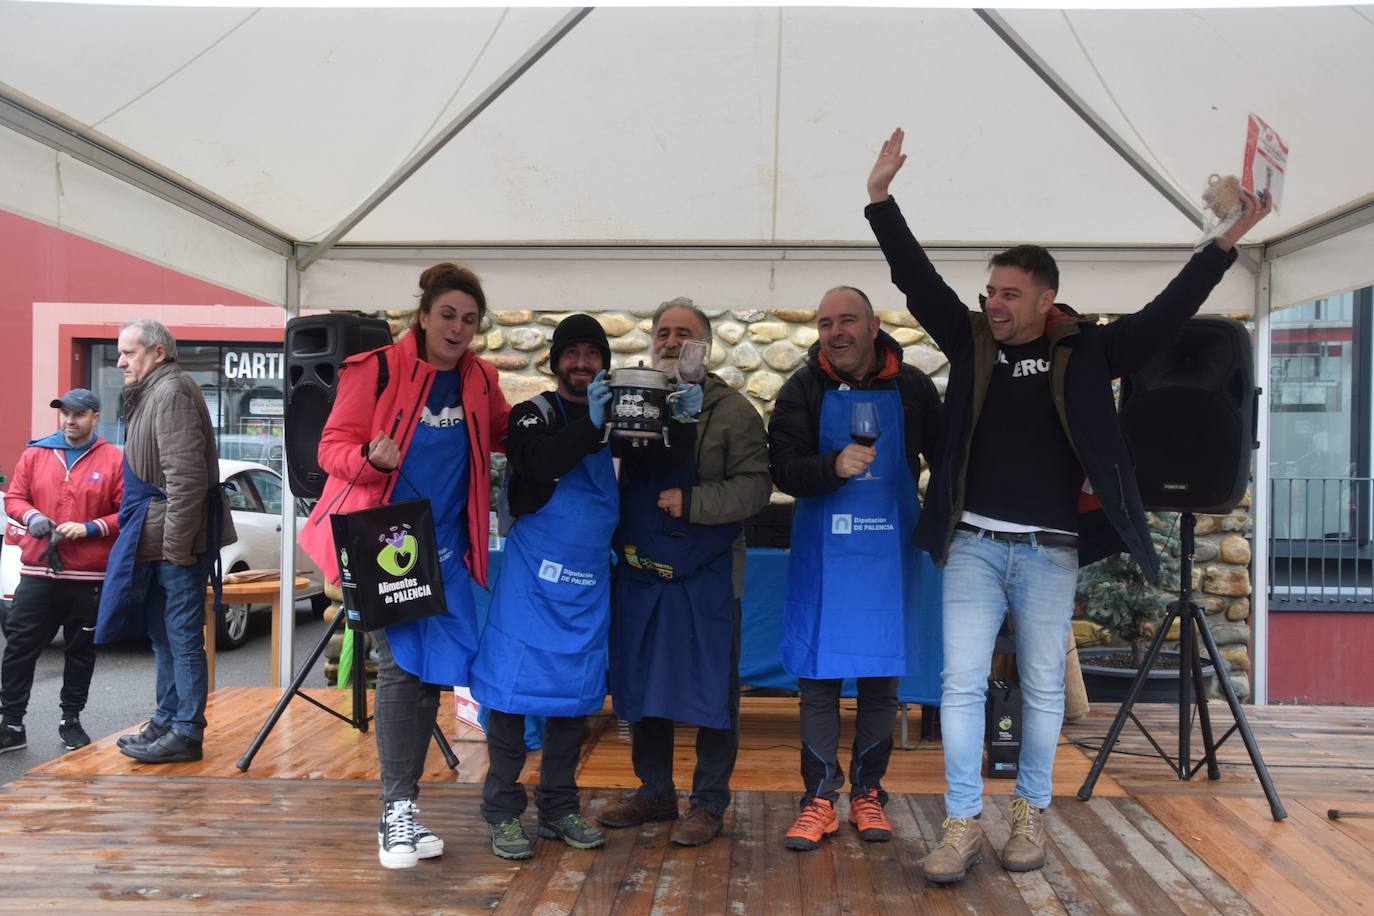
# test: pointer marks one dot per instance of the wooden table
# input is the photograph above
(262, 591)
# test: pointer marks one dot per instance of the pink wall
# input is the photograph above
(39, 263)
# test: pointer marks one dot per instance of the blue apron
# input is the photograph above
(862, 600)
(543, 649)
(439, 649)
(673, 609)
(122, 613)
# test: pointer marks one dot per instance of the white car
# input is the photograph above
(255, 502)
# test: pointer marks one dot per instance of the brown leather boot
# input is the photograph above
(634, 809)
(959, 850)
(1025, 850)
(697, 827)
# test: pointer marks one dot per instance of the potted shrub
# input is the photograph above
(1115, 594)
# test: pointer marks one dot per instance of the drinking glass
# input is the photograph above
(863, 427)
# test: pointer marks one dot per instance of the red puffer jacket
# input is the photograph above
(359, 413)
(89, 492)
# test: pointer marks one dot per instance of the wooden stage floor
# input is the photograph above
(94, 831)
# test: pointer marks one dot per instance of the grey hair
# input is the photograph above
(152, 333)
(682, 302)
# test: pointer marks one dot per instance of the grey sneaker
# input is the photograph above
(396, 835)
(958, 850)
(573, 830)
(1025, 850)
(509, 840)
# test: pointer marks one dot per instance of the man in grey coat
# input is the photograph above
(158, 569)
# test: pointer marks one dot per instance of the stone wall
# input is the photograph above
(754, 351)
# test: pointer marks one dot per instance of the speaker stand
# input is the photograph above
(357, 718)
(1191, 689)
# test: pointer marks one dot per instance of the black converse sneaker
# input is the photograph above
(12, 737)
(427, 845)
(73, 735)
(396, 835)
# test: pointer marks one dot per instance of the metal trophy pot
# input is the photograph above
(641, 400)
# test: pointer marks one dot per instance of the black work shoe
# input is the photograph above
(147, 734)
(12, 738)
(509, 840)
(72, 734)
(573, 830)
(170, 748)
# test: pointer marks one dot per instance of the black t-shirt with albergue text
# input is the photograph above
(1021, 466)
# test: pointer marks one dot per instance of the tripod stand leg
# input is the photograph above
(358, 678)
(1085, 792)
(445, 748)
(1209, 745)
(1243, 726)
(301, 674)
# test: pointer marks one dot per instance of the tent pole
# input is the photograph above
(516, 70)
(1261, 505)
(286, 605)
(128, 168)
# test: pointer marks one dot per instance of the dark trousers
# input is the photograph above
(651, 751)
(405, 710)
(556, 795)
(820, 735)
(41, 607)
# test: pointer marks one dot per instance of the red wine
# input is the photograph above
(863, 439)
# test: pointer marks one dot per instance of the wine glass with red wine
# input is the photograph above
(863, 427)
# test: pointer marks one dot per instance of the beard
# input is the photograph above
(572, 386)
(667, 365)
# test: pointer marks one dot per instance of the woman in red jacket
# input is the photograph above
(427, 433)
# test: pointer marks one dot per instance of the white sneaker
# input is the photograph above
(427, 845)
(396, 835)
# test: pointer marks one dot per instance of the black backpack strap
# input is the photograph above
(383, 373)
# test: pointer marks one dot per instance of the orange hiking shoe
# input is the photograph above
(816, 822)
(866, 814)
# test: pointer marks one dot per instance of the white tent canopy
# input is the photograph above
(739, 134)
(630, 155)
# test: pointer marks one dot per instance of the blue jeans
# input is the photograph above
(175, 599)
(983, 580)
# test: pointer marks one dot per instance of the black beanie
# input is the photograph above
(579, 329)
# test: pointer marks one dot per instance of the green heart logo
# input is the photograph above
(399, 561)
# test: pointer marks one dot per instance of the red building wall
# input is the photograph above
(1321, 658)
(40, 263)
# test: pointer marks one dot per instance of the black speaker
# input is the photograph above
(315, 348)
(1190, 415)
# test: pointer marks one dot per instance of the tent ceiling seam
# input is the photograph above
(195, 57)
(481, 53)
(1116, 103)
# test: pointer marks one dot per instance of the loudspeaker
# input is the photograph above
(1190, 417)
(315, 348)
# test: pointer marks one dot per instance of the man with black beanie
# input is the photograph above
(543, 650)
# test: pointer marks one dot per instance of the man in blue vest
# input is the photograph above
(675, 610)
(846, 439)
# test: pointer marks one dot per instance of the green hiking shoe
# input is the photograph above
(509, 840)
(573, 830)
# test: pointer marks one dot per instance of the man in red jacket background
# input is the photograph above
(65, 492)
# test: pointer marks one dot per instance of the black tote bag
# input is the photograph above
(388, 564)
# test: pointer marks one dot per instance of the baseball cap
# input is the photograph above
(78, 400)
